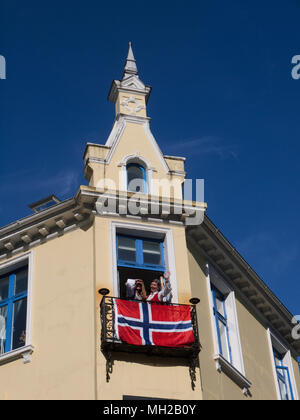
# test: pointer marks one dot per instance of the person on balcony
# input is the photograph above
(140, 291)
(135, 289)
(161, 291)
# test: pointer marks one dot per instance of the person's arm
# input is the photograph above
(167, 287)
(143, 293)
(130, 290)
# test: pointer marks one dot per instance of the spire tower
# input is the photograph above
(130, 65)
(130, 94)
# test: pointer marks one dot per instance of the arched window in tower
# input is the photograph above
(136, 178)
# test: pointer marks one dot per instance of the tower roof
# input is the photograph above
(130, 65)
(130, 81)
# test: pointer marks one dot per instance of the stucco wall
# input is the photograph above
(62, 365)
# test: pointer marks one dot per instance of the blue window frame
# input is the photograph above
(219, 309)
(136, 178)
(13, 309)
(283, 377)
(142, 253)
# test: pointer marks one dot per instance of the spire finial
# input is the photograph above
(130, 65)
(130, 82)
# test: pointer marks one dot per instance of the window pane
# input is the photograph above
(3, 315)
(19, 323)
(126, 249)
(284, 383)
(4, 282)
(135, 178)
(277, 357)
(220, 306)
(21, 281)
(151, 252)
(283, 389)
(223, 339)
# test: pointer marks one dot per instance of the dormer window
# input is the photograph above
(136, 178)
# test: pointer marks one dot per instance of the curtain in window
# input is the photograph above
(19, 323)
(3, 315)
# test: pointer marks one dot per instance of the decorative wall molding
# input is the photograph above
(118, 130)
(132, 100)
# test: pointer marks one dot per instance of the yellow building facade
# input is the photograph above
(60, 267)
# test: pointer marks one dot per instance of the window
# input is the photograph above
(136, 178)
(13, 309)
(221, 324)
(226, 338)
(139, 257)
(141, 251)
(283, 377)
(282, 369)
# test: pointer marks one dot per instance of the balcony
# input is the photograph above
(110, 340)
(148, 326)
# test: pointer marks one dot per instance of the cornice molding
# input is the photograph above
(168, 210)
(175, 157)
(42, 227)
(130, 85)
(207, 240)
(79, 211)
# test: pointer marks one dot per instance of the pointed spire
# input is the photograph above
(130, 65)
(130, 82)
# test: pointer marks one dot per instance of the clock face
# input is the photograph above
(132, 105)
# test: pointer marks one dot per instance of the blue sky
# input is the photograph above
(223, 96)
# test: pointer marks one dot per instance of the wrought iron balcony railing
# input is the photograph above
(111, 342)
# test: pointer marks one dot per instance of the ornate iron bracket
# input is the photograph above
(192, 370)
(109, 365)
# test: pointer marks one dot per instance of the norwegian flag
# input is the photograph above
(145, 323)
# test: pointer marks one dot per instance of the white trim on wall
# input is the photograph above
(136, 158)
(118, 130)
(238, 369)
(211, 311)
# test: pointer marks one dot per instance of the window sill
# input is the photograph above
(24, 352)
(224, 366)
